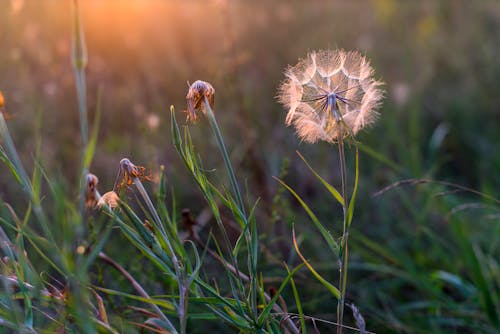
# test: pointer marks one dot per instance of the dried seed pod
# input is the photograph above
(195, 98)
(110, 199)
(128, 172)
(91, 182)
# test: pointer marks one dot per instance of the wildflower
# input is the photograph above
(129, 172)
(110, 199)
(196, 98)
(2, 100)
(91, 182)
(330, 95)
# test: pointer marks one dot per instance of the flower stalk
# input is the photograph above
(343, 265)
(132, 174)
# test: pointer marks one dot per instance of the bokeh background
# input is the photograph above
(440, 61)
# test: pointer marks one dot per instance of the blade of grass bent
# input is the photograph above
(325, 283)
(326, 234)
(336, 194)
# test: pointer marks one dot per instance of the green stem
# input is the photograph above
(252, 259)
(79, 61)
(179, 272)
(225, 156)
(345, 237)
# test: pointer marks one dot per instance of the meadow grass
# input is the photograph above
(76, 261)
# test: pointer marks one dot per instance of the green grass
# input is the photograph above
(423, 255)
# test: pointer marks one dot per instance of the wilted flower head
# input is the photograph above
(129, 172)
(196, 96)
(330, 95)
(91, 182)
(110, 199)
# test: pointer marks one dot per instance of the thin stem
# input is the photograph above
(287, 322)
(79, 61)
(135, 284)
(252, 260)
(179, 272)
(345, 237)
(225, 156)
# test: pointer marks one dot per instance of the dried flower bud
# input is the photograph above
(110, 199)
(129, 172)
(196, 96)
(91, 182)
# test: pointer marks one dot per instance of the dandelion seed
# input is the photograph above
(330, 95)
(91, 182)
(195, 96)
(128, 173)
(110, 199)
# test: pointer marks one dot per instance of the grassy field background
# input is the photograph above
(424, 255)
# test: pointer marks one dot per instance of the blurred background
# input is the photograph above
(440, 61)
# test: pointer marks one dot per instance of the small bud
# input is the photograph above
(80, 249)
(110, 199)
(91, 182)
(195, 98)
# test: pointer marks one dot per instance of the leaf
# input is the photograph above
(298, 303)
(336, 194)
(350, 210)
(267, 310)
(326, 234)
(325, 283)
(160, 302)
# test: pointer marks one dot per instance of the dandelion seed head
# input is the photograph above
(195, 98)
(330, 95)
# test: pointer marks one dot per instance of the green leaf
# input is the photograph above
(326, 234)
(298, 303)
(323, 281)
(267, 310)
(336, 194)
(380, 157)
(160, 302)
(350, 210)
(90, 150)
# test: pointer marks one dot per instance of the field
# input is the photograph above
(130, 203)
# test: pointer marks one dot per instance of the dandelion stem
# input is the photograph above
(345, 237)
